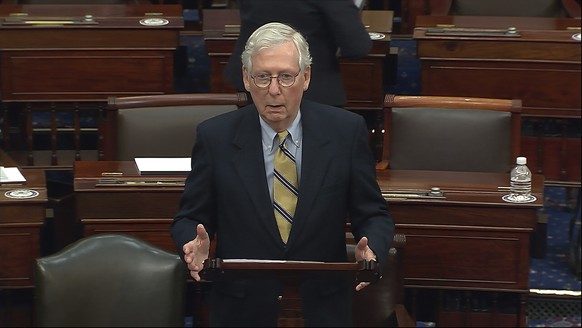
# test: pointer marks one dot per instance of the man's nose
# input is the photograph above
(274, 86)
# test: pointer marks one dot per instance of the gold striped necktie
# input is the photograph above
(284, 187)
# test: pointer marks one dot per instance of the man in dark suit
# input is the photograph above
(332, 27)
(229, 193)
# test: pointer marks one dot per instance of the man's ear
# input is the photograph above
(246, 79)
(307, 76)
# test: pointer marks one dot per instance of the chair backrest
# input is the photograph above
(528, 8)
(110, 280)
(161, 125)
(450, 133)
(378, 305)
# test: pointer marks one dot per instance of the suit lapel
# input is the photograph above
(317, 154)
(250, 166)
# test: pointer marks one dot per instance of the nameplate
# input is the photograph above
(457, 31)
(148, 183)
(57, 21)
(231, 30)
(400, 195)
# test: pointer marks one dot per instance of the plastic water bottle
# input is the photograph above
(520, 181)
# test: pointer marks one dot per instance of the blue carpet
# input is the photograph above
(193, 73)
(555, 273)
(408, 70)
(554, 270)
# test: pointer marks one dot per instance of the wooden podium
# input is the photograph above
(289, 273)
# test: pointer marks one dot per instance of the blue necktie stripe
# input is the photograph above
(283, 213)
(286, 183)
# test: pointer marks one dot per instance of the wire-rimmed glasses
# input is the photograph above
(263, 80)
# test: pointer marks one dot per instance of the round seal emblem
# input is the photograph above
(376, 36)
(519, 199)
(21, 193)
(154, 21)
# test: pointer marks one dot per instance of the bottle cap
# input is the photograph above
(521, 160)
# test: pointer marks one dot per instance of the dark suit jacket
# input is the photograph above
(328, 25)
(227, 191)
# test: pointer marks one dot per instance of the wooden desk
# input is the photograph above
(470, 240)
(471, 222)
(540, 66)
(70, 68)
(112, 55)
(363, 78)
(20, 224)
(21, 221)
(142, 211)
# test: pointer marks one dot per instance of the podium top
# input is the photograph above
(216, 268)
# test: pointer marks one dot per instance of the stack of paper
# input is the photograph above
(11, 175)
(163, 165)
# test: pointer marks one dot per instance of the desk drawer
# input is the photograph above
(19, 247)
(130, 204)
(457, 257)
(154, 231)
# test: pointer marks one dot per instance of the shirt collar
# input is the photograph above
(268, 134)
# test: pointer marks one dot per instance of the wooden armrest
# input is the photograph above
(382, 165)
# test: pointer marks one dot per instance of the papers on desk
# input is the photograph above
(163, 165)
(11, 175)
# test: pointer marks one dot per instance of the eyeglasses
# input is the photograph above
(263, 80)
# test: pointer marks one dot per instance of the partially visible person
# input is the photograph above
(333, 29)
(229, 194)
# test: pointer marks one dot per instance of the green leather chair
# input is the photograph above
(109, 280)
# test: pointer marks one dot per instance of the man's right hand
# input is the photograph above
(196, 251)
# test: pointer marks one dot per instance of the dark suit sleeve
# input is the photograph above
(198, 199)
(368, 210)
(345, 22)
